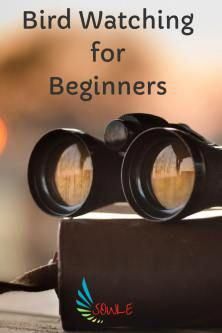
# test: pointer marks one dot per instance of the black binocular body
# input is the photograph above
(164, 171)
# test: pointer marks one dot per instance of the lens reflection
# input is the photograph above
(73, 175)
(173, 176)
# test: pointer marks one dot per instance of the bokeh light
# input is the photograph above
(3, 135)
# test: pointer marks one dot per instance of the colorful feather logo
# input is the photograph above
(84, 304)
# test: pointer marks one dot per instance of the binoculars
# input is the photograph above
(164, 171)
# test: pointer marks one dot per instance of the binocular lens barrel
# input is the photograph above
(159, 173)
(69, 173)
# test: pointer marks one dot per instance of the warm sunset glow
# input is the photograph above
(3, 135)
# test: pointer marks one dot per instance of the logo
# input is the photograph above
(95, 312)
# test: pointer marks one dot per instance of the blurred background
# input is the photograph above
(191, 65)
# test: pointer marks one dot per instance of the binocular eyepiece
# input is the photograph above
(164, 171)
